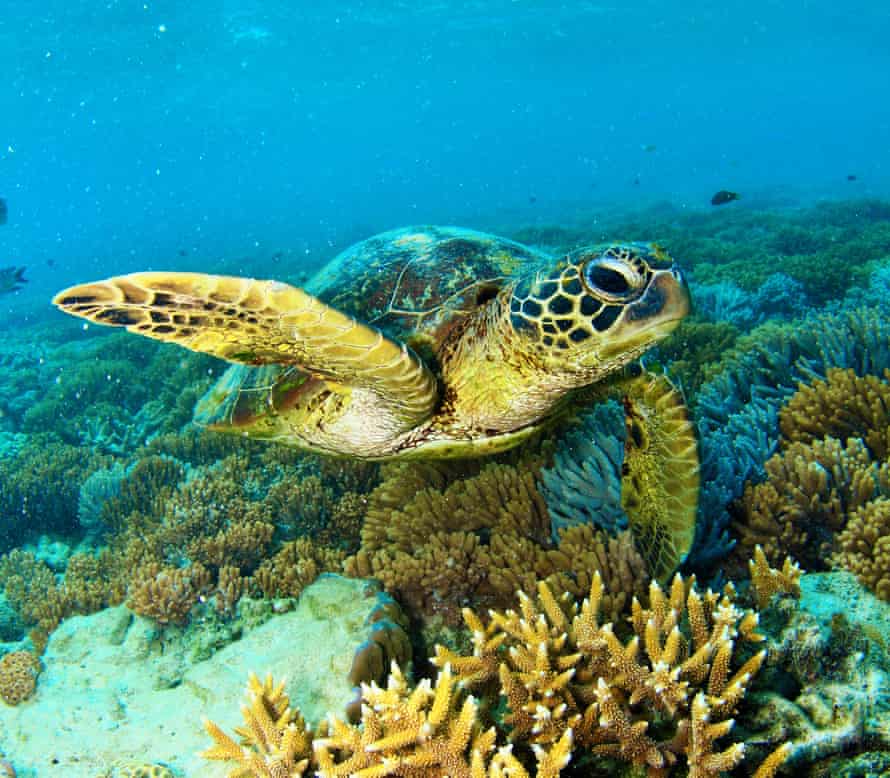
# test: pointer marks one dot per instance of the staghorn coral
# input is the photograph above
(425, 732)
(18, 676)
(863, 547)
(559, 669)
(275, 741)
(767, 581)
(167, 594)
(843, 405)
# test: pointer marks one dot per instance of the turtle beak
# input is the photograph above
(664, 303)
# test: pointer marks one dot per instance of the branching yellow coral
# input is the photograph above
(425, 732)
(560, 669)
(767, 581)
(275, 742)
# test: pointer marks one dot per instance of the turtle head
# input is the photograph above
(599, 307)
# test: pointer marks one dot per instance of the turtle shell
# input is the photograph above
(414, 280)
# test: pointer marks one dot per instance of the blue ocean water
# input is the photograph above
(131, 131)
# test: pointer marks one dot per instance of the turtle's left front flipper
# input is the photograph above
(253, 322)
(660, 483)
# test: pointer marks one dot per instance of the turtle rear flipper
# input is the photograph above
(253, 322)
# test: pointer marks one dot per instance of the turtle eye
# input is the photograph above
(613, 280)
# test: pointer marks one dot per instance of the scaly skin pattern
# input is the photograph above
(497, 355)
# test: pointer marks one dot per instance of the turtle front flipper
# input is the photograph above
(253, 322)
(660, 483)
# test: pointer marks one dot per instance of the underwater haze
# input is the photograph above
(130, 131)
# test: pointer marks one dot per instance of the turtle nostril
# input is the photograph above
(608, 279)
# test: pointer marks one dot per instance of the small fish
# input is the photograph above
(10, 278)
(532, 199)
(182, 253)
(723, 197)
(637, 181)
(851, 177)
(649, 147)
(50, 263)
(4, 211)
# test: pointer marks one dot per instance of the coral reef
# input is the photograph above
(167, 594)
(737, 412)
(844, 405)
(27, 505)
(825, 496)
(863, 546)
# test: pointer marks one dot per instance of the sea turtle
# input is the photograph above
(424, 342)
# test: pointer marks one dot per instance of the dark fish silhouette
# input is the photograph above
(10, 278)
(4, 211)
(851, 177)
(723, 197)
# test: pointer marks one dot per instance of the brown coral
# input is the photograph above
(296, 565)
(442, 537)
(167, 594)
(18, 676)
(843, 406)
(810, 490)
(864, 546)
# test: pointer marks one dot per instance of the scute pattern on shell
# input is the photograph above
(416, 278)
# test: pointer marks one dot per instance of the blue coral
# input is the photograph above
(584, 484)
(737, 412)
(779, 297)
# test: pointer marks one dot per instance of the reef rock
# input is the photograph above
(117, 689)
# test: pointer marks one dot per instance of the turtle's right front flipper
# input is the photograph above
(253, 322)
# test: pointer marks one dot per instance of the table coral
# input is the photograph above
(18, 676)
